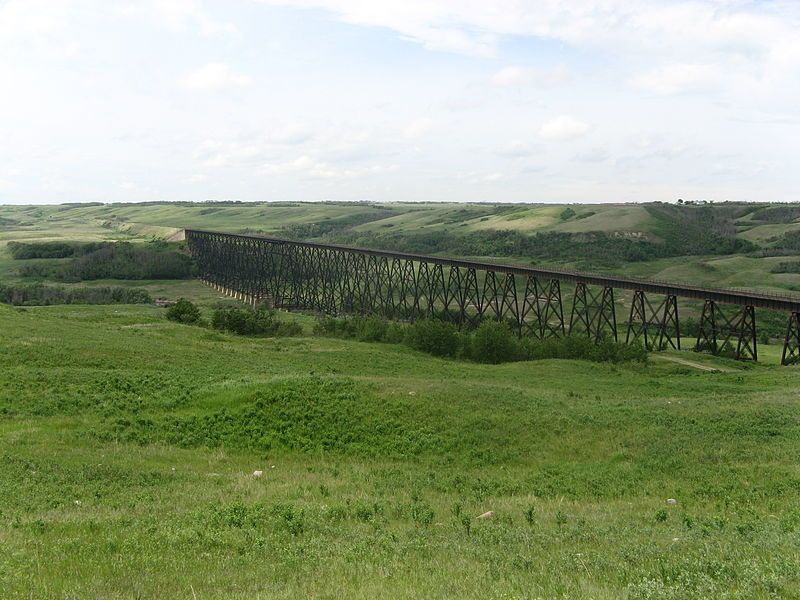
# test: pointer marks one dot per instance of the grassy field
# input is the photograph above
(129, 445)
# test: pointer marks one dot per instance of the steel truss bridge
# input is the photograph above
(338, 280)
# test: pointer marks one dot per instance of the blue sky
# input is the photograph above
(445, 100)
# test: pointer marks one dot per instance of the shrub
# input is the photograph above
(370, 329)
(104, 260)
(246, 321)
(786, 267)
(493, 342)
(45, 295)
(580, 347)
(25, 251)
(365, 329)
(434, 337)
(330, 327)
(183, 311)
(395, 333)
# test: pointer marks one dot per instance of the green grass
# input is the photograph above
(128, 443)
(128, 446)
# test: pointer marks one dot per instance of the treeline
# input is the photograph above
(491, 342)
(104, 260)
(302, 231)
(776, 214)
(786, 267)
(32, 250)
(593, 247)
(788, 243)
(45, 295)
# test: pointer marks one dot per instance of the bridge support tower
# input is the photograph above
(657, 328)
(593, 313)
(791, 344)
(717, 332)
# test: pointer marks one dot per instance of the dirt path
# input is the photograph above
(689, 363)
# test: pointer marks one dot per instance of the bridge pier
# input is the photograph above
(791, 343)
(717, 332)
(542, 314)
(658, 327)
(593, 314)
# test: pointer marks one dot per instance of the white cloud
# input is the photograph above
(21, 19)
(511, 76)
(216, 77)
(37, 27)
(178, 16)
(310, 168)
(716, 32)
(301, 163)
(291, 135)
(418, 128)
(320, 119)
(216, 160)
(563, 128)
(196, 178)
(516, 149)
(677, 79)
(593, 155)
(518, 76)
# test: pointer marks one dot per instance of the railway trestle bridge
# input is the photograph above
(337, 280)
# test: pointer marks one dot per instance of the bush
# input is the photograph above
(493, 342)
(332, 327)
(261, 321)
(363, 329)
(25, 251)
(434, 337)
(183, 311)
(104, 260)
(370, 329)
(786, 267)
(579, 347)
(46, 295)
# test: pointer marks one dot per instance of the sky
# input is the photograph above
(399, 100)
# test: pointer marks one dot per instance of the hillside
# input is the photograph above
(129, 445)
(729, 245)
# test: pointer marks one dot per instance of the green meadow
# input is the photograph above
(129, 445)
(143, 458)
